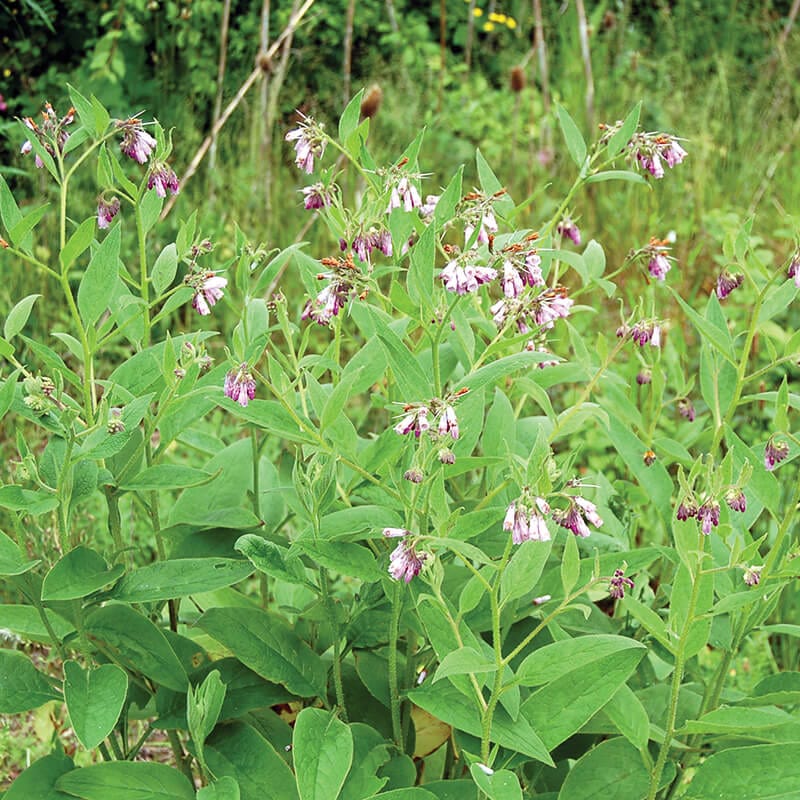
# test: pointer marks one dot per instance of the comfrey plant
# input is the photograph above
(471, 539)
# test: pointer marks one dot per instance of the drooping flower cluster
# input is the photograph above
(618, 583)
(364, 243)
(207, 286)
(106, 211)
(658, 264)
(522, 266)
(162, 177)
(707, 512)
(774, 453)
(310, 141)
(541, 310)
(525, 518)
(476, 211)
(316, 196)
(405, 563)
(345, 280)
(576, 515)
(652, 150)
(686, 408)
(404, 194)
(240, 386)
(415, 418)
(727, 282)
(51, 134)
(462, 277)
(136, 142)
(794, 269)
(643, 332)
(568, 229)
(752, 575)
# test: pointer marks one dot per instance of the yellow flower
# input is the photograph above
(499, 18)
(511, 23)
(488, 26)
(6, 73)
(477, 12)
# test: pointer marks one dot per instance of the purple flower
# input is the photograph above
(651, 163)
(416, 421)
(736, 500)
(240, 386)
(413, 475)
(208, 290)
(552, 304)
(429, 206)
(774, 453)
(569, 229)
(752, 575)
(463, 280)
(727, 282)
(405, 563)
(526, 523)
(362, 246)
(646, 331)
(447, 456)
(794, 269)
(532, 274)
(327, 304)
(511, 281)
(572, 518)
(672, 152)
(136, 142)
(309, 143)
(644, 376)
(686, 408)
(404, 194)
(316, 196)
(106, 211)
(686, 509)
(659, 266)
(708, 516)
(589, 511)
(382, 240)
(162, 177)
(448, 423)
(618, 584)
(395, 533)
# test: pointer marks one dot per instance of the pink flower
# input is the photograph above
(659, 266)
(415, 422)
(106, 211)
(644, 376)
(774, 453)
(736, 500)
(794, 269)
(448, 423)
(618, 584)
(708, 516)
(532, 274)
(569, 229)
(727, 282)
(162, 177)
(315, 196)
(405, 563)
(686, 509)
(572, 518)
(672, 152)
(309, 143)
(686, 408)
(511, 281)
(429, 206)
(552, 304)
(136, 142)
(463, 280)
(526, 523)
(589, 510)
(208, 290)
(395, 533)
(240, 386)
(752, 575)
(651, 163)
(327, 304)
(646, 331)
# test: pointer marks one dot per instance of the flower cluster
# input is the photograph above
(650, 150)
(51, 134)
(576, 515)
(240, 386)
(707, 512)
(161, 178)
(774, 453)
(658, 264)
(364, 243)
(727, 282)
(525, 518)
(345, 280)
(522, 266)
(568, 229)
(316, 196)
(405, 563)
(310, 140)
(404, 194)
(794, 269)
(618, 583)
(106, 211)
(416, 420)
(752, 575)
(541, 310)
(462, 277)
(645, 331)
(136, 142)
(476, 211)
(207, 287)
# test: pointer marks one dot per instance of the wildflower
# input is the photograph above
(646, 331)
(774, 453)
(309, 142)
(413, 475)
(622, 331)
(752, 575)
(572, 518)
(511, 281)
(362, 246)
(429, 206)
(727, 282)
(794, 269)
(448, 423)
(618, 583)
(136, 142)
(650, 149)
(532, 274)
(405, 563)
(316, 196)
(552, 304)
(538, 601)
(686, 509)
(672, 152)
(686, 408)
(708, 516)
(486, 224)
(240, 386)
(526, 521)
(344, 278)
(208, 288)
(325, 306)
(395, 533)
(659, 266)
(644, 376)
(115, 424)
(415, 422)
(404, 194)
(465, 279)
(589, 511)
(106, 211)
(736, 500)
(382, 240)
(447, 456)
(163, 177)
(569, 229)
(651, 163)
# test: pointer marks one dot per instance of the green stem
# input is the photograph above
(394, 689)
(337, 645)
(256, 453)
(144, 285)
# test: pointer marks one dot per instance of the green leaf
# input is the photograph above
(720, 339)
(462, 662)
(323, 752)
(94, 700)
(18, 316)
(9, 210)
(97, 284)
(491, 185)
(15, 498)
(650, 621)
(570, 564)
(422, 262)
(163, 272)
(370, 753)
(448, 200)
(22, 686)
(38, 781)
(136, 644)
(411, 381)
(749, 773)
(167, 476)
(523, 571)
(564, 705)
(500, 785)
(203, 707)
(271, 558)
(628, 714)
(23, 228)
(266, 644)
(224, 789)
(617, 175)
(549, 662)
(180, 577)
(448, 704)
(79, 573)
(271, 416)
(83, 106)
(239, 751)
(575, 143)
(501, 368)
(747, 721)
(346, 558)
(612, 769)
(127, 780)
(619, 141)
(12, 560)
(348, 122)
(26, 622)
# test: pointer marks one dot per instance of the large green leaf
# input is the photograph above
(270, 558)
(575, 143)
(564, 705)
(126, 780)
(27, 623)
(94, 700)
(614, 768)
(225, 788)
(18, 316)
(137, 644)
(266, 644)
(501, 368)
(79, 573)
(38, 782)
(240, 752)
(409, 376)
(12, 561)
(97, 284)
(768, 771)
(370, 753)
(180, 577)
(498, 785)
(323, 751)
(167, 476)
(22, 686)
